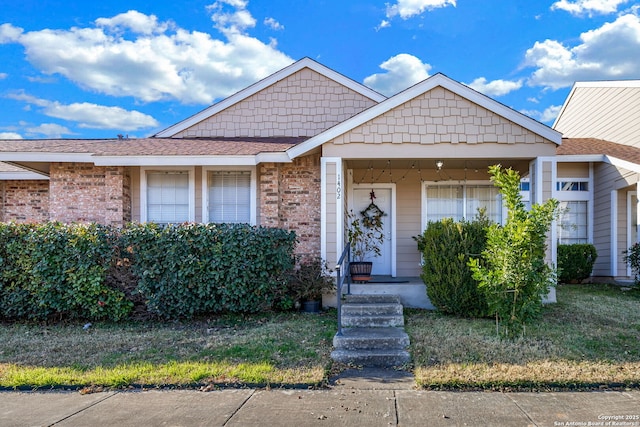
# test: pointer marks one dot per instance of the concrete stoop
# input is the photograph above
(373, 333)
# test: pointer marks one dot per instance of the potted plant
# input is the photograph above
(308, 281)
(365, 237)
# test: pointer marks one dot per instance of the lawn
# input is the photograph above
(589, 339)
(269, 349)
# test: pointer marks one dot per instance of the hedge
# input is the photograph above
(575, 262)
(67, 271)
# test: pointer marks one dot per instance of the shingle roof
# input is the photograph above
(153, 146)
(586, 146)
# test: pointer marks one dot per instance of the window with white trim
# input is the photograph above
(572, 222)
(572, 225)
(167, 196)
(460, 201)
(229, 196)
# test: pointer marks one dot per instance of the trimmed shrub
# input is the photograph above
(575, 262)
(193, 269)
(446, 247)
(94, 272)
(56, 270)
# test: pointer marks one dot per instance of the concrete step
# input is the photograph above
(371, 338)
(368, 309)
(373, 321)
(372, 298)
(386, 358)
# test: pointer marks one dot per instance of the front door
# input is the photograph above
(382, 198)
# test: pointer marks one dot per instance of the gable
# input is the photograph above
(437, 110)
(602, 110)
(302, 105)
(439, 116)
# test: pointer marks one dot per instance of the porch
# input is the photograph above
(412, 291)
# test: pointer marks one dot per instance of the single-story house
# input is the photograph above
(306, 145)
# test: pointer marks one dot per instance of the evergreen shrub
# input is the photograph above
(575, 262)
(446, 247)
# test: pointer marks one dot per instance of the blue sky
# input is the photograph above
(81, 69)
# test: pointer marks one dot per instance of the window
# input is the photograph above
(572, 225)
(462, 201)
(167, 196)
(229, 196)
(572, 186)
(572, 222)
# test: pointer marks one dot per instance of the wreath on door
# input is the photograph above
(372, 216)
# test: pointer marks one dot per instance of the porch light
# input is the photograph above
(439, 164)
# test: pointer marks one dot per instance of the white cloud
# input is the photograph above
(89, 115)
(609, 52)
(495, 87)
(403, 70)
(133, 54)
(50, 130)
(581, 7)
(3, 76)
(135, 21)
(10, 135)
(409, 8)
(273, 24)
(546, 116)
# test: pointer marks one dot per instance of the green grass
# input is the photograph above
(589, 339)
(276, 349)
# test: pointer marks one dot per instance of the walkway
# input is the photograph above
(371, 404)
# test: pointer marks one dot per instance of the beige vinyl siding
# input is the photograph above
(573, 170)
(607, 112)
(608, 178)
(604, 177)
(408, 217)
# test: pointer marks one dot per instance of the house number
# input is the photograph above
(338, 188)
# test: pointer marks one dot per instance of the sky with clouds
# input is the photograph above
(78, 69)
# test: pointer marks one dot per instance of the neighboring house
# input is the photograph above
(598, 167)
(300, 149)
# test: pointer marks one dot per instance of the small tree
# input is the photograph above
(515, 277)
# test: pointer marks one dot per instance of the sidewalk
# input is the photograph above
(365, 402)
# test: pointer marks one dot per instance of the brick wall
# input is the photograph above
(290, 199)
(83, 192)
(24, 201)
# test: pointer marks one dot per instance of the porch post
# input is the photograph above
(331, 208)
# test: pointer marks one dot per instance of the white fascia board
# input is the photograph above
(263, 84)
(417, 90)
(609, 83)
(22, 176)
(580, 158)
(634, 167)
(190, 160)
(564, 106)
(46, 157)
